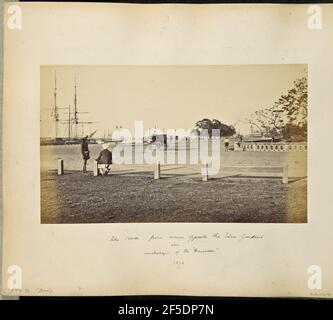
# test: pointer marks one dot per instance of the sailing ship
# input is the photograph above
(74, 127)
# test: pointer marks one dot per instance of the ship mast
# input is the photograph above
(76, 112)
(75, 119)
(69, 122)
(55, 107)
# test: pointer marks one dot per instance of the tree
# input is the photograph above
(204, 124)
(295, 103)
(294, 132)
(209, 125)
(288, 116)
(269, 121)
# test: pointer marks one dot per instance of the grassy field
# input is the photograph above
(78, 198)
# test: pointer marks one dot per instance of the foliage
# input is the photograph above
(288, 116)
(209, 125)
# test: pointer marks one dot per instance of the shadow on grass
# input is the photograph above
(290, 179)
(175, 175)
(174, 168)
(150, 174)
(249, 177)
(295, 179)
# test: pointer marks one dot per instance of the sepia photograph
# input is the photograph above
(174, 143)
(190, 139)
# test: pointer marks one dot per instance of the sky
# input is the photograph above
(168, 97)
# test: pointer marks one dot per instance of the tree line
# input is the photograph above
(209, 125)
(287, 118)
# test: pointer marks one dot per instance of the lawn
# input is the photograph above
(78, 198)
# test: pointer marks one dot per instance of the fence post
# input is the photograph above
(285, 173)
(95, 165)
(60, 167)
(204, 172)
(157, 172)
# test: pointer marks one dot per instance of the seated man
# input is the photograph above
(105, 159)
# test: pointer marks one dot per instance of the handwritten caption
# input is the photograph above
(180, 246)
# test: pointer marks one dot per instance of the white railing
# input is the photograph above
(271, 146)
(204, 170)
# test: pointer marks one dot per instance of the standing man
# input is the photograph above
(85, 152)
(226, 144)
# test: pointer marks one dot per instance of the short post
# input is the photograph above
(60, 167)
(95, 165)
(204, 172)
(157, 172)
(285, 173)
